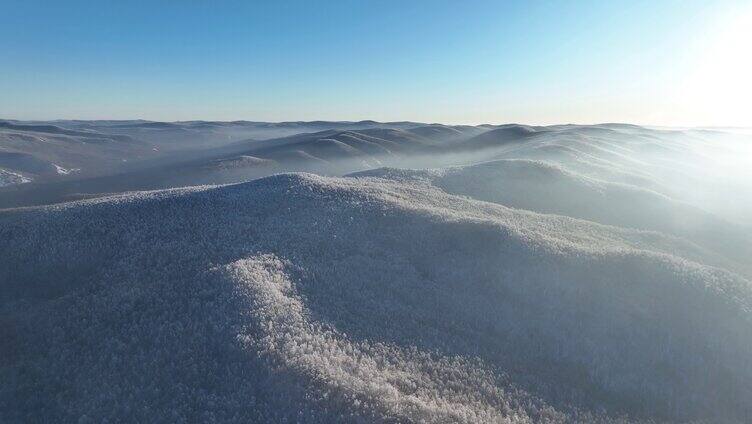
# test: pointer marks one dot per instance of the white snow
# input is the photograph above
(8, 177)
(63, 171)
(402, 296)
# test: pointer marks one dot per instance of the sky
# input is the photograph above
(673, 63)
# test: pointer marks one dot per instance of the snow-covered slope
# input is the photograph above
(549, 188)
(383, 297)
(47, 152)
(39, 150)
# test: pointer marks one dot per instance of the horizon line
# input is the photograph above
(378, 122)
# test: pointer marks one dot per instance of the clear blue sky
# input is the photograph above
(454, 62)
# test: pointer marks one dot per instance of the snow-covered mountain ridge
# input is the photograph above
(371, 297)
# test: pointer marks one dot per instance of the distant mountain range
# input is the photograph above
(374, 272)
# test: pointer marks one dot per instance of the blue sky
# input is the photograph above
(453, 62)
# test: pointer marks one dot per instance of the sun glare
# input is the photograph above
(719, 86)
